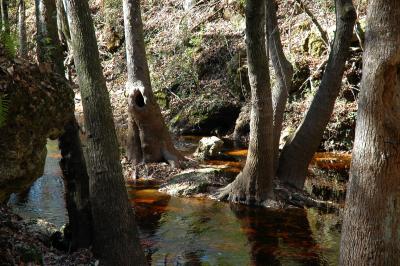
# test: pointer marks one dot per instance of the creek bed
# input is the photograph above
(195, 231)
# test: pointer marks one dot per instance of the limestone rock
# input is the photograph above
(209, 147)
(193, 182)
(39, 102)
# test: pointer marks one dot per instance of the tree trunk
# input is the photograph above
(23, 52)
(48, 45)
(73, 162)
(300, 148)
(371, 227)
(62, 24)
(283, 73)
(146, 126)
(5, 22)
(254, 184)
(114, 228)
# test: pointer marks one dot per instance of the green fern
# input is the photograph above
(10, 43)
(3, 109)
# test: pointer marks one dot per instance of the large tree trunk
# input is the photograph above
(283, 73)
(300, 148)
(254, 184)
(22, 29)
(48, 45)
(73, 162)
(5, 22)
(114, 228)
(371, 227)
(148, 136)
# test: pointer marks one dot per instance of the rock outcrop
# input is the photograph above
(39, 103)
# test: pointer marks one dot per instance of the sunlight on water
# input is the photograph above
(183, 231)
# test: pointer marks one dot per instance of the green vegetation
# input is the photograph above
(10, 42)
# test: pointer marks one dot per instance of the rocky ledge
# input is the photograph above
(35, 105)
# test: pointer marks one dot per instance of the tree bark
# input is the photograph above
(299, 149)
(371, 226)
(114, 228)
(73, 163)
(23, 52)
(283, 73)
(48, 45)
(5, 22)
(62, 24)
(254, 184)
(146, 126)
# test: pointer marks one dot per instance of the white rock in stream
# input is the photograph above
(209, 147)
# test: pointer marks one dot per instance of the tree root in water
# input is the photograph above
(285, 196)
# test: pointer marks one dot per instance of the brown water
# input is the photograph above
(183, 231)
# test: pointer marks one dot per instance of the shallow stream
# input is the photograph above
(185, 231)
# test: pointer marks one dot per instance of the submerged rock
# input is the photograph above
(209, 147)
(193, 182)
(38, 104)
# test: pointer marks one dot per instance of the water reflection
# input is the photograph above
(45, 198)
(181, 231)
(278, 237)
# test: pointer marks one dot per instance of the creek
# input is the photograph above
(197, 231)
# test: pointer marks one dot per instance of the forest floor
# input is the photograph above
(198, 65)
(24, 243)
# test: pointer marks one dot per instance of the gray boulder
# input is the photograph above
(209, 147)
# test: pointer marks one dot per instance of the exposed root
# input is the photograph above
(223, 193)
(285, 196)
(237, 193)
(290, 196)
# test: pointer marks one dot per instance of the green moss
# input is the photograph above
(162, 98)
(314, 45)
